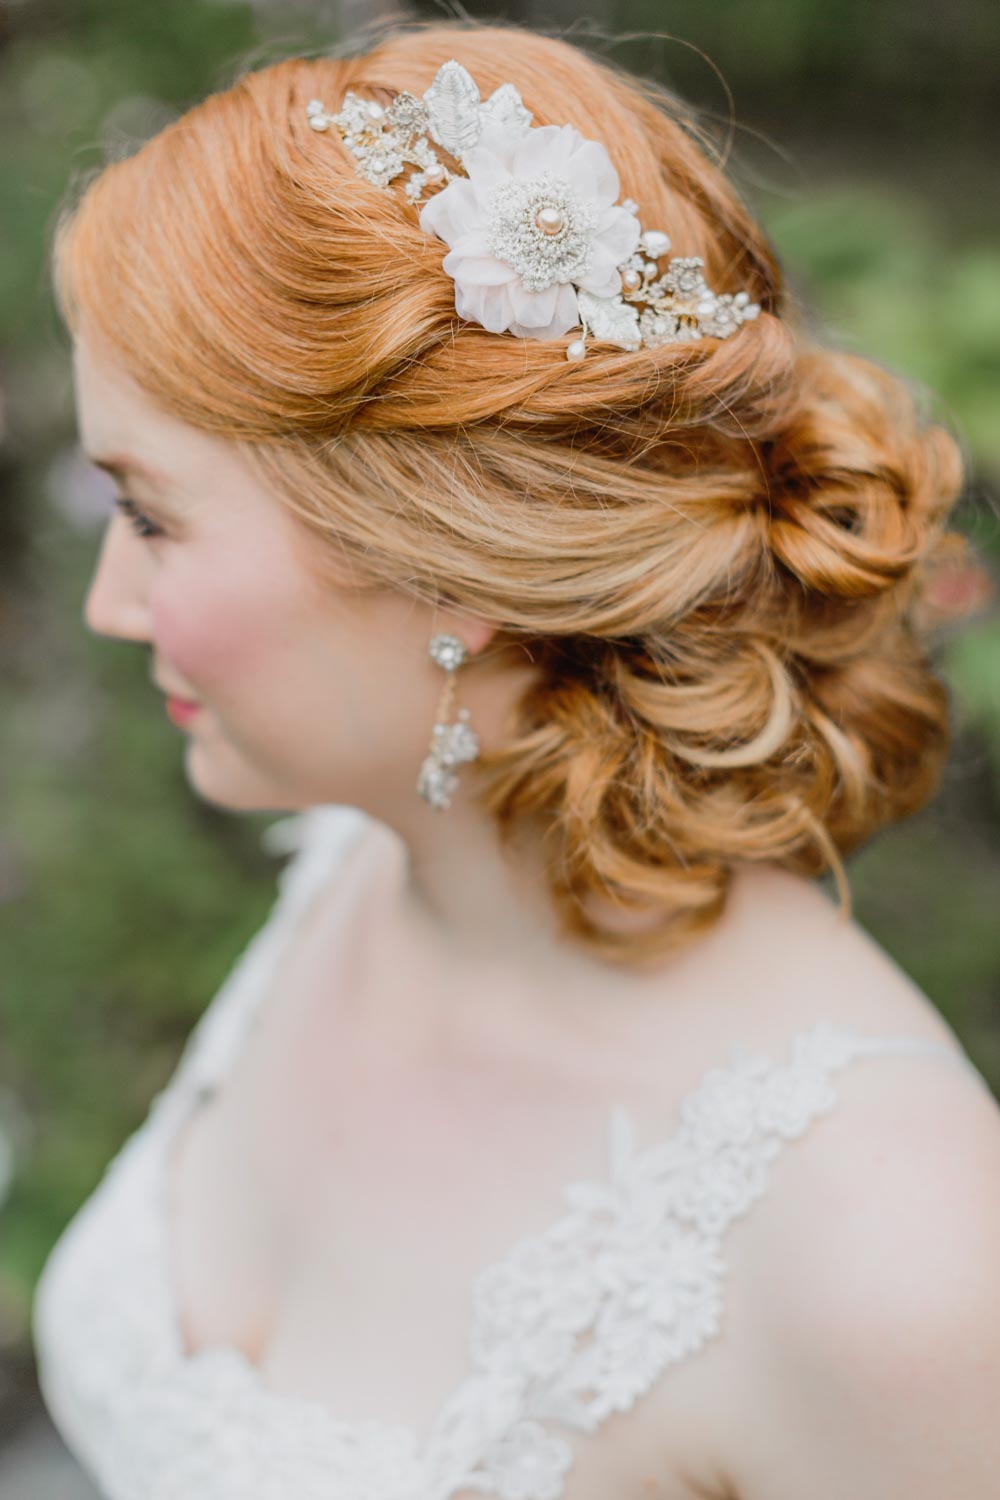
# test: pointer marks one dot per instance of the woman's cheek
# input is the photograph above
(216, 633)
(201, 647)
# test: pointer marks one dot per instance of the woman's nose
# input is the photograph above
(117, 600)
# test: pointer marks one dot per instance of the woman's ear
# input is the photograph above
(474, 631)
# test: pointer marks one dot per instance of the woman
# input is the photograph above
(508, 530)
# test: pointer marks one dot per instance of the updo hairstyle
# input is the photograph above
(714, 552)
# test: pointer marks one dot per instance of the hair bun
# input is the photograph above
(860, 488)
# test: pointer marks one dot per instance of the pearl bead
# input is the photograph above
(576, 350)
(434, 172)
(318, 122)
(655, 243)
(631, 280)
(550, 220)
(375, 111)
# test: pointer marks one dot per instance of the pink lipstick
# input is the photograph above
(181, 711)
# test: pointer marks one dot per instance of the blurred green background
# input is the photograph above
(865, 138)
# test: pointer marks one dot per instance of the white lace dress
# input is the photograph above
(572, 1325)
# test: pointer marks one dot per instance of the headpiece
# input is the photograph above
(539, 243)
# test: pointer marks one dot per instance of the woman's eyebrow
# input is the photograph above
(123, 464)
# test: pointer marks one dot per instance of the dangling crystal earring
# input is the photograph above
(450, 743)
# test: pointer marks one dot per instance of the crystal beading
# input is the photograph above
(447, 650)
(540, 257)
(451, 744)
(385, 141)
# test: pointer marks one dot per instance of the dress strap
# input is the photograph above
(833, 1046)
(579, 1321)
(318, 841)
(916, 1046)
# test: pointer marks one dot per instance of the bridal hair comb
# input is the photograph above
(538, 242)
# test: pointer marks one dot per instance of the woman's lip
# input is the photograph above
(181, 709)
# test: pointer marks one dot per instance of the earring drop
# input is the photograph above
(450, 743)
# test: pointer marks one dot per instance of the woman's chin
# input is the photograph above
(225, 783)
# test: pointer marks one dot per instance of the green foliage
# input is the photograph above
(974, 668)
(906, 72)
(880, 269)
(85, 80)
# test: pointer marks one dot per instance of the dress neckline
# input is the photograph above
(180, 1105)
(187, 1093)
(633, 1170)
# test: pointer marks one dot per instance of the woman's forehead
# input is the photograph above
(125, 432)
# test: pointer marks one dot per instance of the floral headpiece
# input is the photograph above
(538, 242)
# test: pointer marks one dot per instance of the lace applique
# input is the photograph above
(581, 1320)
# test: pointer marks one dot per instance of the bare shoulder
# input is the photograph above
(876, 1316)
(905, 1168)
(808, 961)
(870, 1277)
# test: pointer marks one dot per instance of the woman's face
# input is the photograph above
(307, 693)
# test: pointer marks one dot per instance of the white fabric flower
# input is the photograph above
(528, 1464)
(535, 218)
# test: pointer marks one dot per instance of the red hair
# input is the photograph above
(714, 551)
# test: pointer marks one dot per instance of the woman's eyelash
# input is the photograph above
(140, 522)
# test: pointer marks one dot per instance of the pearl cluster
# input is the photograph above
(385, 140)
(682, 306)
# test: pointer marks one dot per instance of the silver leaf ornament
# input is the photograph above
(453, 109)
(611, 319)
(505, 109)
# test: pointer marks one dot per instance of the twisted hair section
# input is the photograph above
(714, 553)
